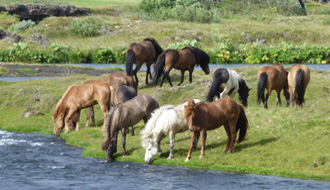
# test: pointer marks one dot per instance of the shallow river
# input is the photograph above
(36, 161)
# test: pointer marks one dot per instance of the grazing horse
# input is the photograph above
(272, 78)
(166, 120)
(114, 79)
(124, 115)
(228, 82)
(122, 94)
(139, 53)
(208, 116)
(184, 60)
(78, 97)
(298, 79)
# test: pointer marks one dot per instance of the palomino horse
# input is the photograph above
(166, 120)
(114, 79)
(139, 53)
(122, 94)
(124, 115)
(228, 82)
(208, 116)
(78, 97)
(272, 78)
(298, 80)
(184, 60)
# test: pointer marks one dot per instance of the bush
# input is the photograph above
(22, 26)
(89, 27)
(180, 45)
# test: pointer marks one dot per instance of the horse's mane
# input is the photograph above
(201, 57)
(189, 108)
(60, 102)
(108, 124)
(146, 132)
(157, 47)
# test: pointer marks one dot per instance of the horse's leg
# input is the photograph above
(172, 137)
(190, 76)
(182, 77)
(87, 116)
(196, 140)
(192, 140)
(133, 131)
(77, 122)
(278, 98)
(137, 68)
(92, 115)
(160, 152)
(148, 73)
(105, 111)
(269, 92)
(66, 120)
(123, 133)
(204, 134)
(228, 136)
(233, 133)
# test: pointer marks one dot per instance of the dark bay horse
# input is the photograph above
(272, 78)
(208, 116)
(114, 80)
(78, 97)
(298, 80)
(145, 52)
(124, 115)
(122, 94)
(228, 82)
(185, 60)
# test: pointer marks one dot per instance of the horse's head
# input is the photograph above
(59, 123)
(189, 113)
(151, 151)
(243, 96)
(112, 149)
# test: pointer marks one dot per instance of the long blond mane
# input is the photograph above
(61, 102)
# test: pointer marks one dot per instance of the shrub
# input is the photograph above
(89, 27)
(22, 26)
(180, 45)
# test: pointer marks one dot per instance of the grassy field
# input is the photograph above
(79, 3)
(280, 141)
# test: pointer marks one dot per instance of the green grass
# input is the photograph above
(280, 141)
(74, 2)
(26, 71)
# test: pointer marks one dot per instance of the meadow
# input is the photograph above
(280, 141)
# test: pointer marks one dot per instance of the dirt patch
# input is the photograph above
(16, 70)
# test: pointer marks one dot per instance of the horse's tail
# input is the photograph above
(129, 62)
(261, 86)
(299, 90)
(242, 124)
(215, 87)
(107, 132)
(159, 69)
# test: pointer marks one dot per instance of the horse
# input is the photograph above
(272, 78)
(122, 94)
(228, 82)
(78, 97)
(114, 79)
(124, 115)
(166, 120)
(185, 60)
(208, 116)
(145, 52)
(298, 79)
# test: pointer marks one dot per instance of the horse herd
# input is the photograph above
(123, 107)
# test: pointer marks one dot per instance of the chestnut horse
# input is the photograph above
(139, 53)
(298, 80)
(124, 115)
(272, 78)
(114, 79)
(208, 116)
(185, 60)
(78, 97)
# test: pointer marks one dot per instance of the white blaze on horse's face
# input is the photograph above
(151, 151)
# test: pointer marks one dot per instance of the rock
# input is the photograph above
(37, 12)
(8, 36)
(39, 39)
(30, 112)
(105, 31)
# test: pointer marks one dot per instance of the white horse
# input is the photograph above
(230, 83)
(166, 120)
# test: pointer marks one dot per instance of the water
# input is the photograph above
(16, 79)
(36, 161)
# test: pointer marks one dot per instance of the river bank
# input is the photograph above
(280, 141)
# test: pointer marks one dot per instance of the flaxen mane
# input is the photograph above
(189, 108)
(60, 102)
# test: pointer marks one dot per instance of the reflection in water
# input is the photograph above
(35, 161)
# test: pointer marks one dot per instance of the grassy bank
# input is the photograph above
(280, 140)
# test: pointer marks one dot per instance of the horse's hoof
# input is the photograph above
(200, 157)
(187, 159)
(169, 157)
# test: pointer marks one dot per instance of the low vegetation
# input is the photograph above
(280, 141)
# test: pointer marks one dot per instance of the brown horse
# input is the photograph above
(208, 116)
(124, 115)
(139, 53)
(298, 80)
(272, 78)
(114, 80)
(78, 97)
(185, 60)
